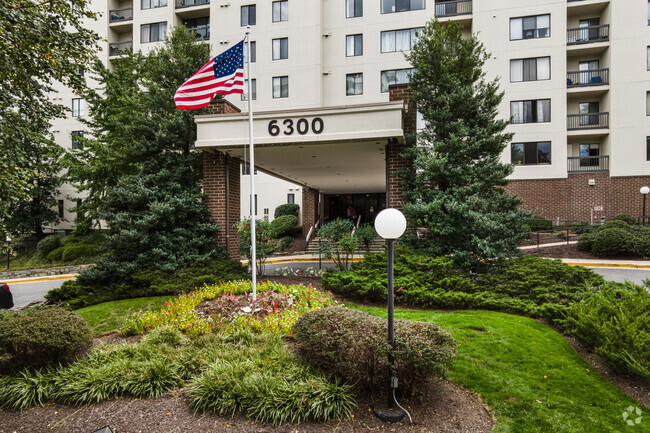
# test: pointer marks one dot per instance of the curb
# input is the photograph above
(41, 279)
(609, 265)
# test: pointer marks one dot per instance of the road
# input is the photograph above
(26, 292)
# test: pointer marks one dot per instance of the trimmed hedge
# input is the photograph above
(283, 226)
(617, 237)
(352, 345)
(47, 336)
(287, 209)
(48, 244)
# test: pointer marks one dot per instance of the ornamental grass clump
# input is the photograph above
(352, 345)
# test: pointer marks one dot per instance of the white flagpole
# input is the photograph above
(252, 163)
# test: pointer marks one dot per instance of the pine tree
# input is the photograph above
(455, 193)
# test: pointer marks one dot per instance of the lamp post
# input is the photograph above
(8, 239)
(644, 191)
(390, 224)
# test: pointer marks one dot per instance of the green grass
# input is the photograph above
(110, 315)
(529, 377)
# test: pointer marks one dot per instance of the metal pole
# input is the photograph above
(8, 254)
(252, 164)
(391, 324)
(644, 208)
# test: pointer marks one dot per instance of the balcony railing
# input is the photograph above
(581, 164)
(119, 15)
(202, 33)
(587, 121)
(119, 48)
(592, 77)
(453, 8)
(190, 3)
(587, 35)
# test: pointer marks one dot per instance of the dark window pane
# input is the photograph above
(544, 152)
(530, 153)
(517, 153)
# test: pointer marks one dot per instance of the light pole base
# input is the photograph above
(388, 414)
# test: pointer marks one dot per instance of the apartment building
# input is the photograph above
(575, 74)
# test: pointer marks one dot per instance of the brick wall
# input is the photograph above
(214, 184)
(309, 208)
(573, 198)
(394, 162)
(221, 106)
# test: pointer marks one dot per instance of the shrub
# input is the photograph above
(352, 345)
(628, 219)
(338, 244)
(56, 255)
(536, 223)
(48, 244)
(612, 241)
(72, 252)
(285, 243)
(283, 226)
(366, 234)
(615, 320)
(39, 337)
(287, 209)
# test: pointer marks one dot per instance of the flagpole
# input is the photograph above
(252, 163)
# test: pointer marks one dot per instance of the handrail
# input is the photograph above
(587, 121)
(587, 35)
(582, 164)
(591, 77)
(453, 8)
(311, 229)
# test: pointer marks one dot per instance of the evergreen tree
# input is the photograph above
(455, 193)
(140, 172)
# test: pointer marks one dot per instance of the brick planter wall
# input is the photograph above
(394, 162)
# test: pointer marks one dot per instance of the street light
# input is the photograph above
(390, 224)
(8, 239)
(644, 190)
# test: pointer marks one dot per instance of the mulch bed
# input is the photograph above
(571, 251)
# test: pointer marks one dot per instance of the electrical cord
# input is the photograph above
(398, 405)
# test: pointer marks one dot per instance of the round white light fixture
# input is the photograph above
(390, 224)
(644, 190)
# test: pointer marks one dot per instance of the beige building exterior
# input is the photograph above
(576, 77)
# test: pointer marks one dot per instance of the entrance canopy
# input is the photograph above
(333, 149)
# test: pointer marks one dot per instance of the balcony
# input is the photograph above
(120, 15)
(587, 164)
(202, 32)
(453, 8)
(190, 3)
(592, 77)
(577, 122)
(119, 48)
(588, 35)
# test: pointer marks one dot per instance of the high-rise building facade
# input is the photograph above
(576, 77)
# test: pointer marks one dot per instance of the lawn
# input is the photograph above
(530, 378)
(110, 315)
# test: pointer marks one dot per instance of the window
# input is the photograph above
(354, 84)
(588, 154)
(390, 6)
(244, 96)
(148, 4)
(647, 149)
(395, 76)
(248, 15)
(153, 32)
(291, 198)
(647, 103)
(76, 143)
(399, 40)
(266, 214)
(354, 45)
(246, 170)
(280, 11)
(648, 61)
(77, 107)
(589, 113)
(280, 87)
(201, 26)
(253, 52)
(531, 153)
(530, 27)
(280, 49)
(534, 69)
(353, 8)
(60, 208)
(534, 111)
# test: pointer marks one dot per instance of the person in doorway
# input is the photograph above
(351, 214)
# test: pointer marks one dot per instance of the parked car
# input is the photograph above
(6, 298)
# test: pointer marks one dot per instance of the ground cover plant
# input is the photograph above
(526, 373)
(529, 285)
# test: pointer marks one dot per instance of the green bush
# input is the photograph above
(617, 237)
(48, 244)
(627, 219)
(536, 223)
(366, 234)
(285, 243)
(612, 241)
(615, 320)
(44, 336)
(56, 255)
(352, 345)
(287, 209)
(150, 282)
(72, 252)
(283, 226)
(528, 285)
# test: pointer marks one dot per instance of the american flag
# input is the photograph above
(222, 75)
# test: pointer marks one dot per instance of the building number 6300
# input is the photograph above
(302, 126)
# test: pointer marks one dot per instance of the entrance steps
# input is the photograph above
(377, 246)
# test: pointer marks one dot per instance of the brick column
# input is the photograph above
(221, 190)
(309, 208)
(394, 162)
